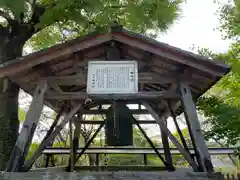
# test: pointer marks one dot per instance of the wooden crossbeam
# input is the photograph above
(143, 77)
(131, 150)
(104, 111)
(95, 122)
(133, 96)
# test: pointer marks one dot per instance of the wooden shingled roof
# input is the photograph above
(72, 57)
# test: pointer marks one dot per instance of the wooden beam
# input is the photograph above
(24, 140)
(135, 96)
(104, 111)
(95, 122)
(46, 142)
(121, 168)
(143, 77)
(55, 122)
(191, 116)
(171, 137)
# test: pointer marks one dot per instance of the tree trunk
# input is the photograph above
(11, 47)
(8, 119)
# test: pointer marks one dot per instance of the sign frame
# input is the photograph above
(133, 86)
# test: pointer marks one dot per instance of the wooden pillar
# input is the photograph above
(195, 128)
(75, 142)
(52, 136)
(24, 140)
(166, 148)
(145, 159)
(47, 160)
(76, 137)
(71, 146)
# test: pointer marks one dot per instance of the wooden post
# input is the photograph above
(166, 148)
(192, 118)
(47, 160)
(160, 122)
(145, 159)
(24, 140)
(75, 141)
(71, 146)
(76, 137)
(46, 142)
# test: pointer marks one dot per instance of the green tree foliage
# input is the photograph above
(221, 103)
(49, 22)
(223, 119)
(230, 19)
(64, 20)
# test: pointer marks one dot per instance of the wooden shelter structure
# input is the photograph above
(170, 81)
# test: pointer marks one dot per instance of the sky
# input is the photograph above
(196, 27)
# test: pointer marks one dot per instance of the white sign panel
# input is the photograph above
(112, 77)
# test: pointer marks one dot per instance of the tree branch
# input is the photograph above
(6, 16)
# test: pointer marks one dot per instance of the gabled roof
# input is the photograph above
(121, 35)
(68, 58)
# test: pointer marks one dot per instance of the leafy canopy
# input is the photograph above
(58, 20)
(221, 105)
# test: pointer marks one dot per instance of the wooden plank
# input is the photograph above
(57, 173)
(104, 111)
(24, 140)
(191, 116)
(101, 122)
(135, 96)
(121, 168)
(171, 137)
(132, 151)
(46, 142)
(143, 77)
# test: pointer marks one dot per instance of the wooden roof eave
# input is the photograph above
(126, 37)
(27, 62)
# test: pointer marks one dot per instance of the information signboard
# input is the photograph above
(112, 77)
